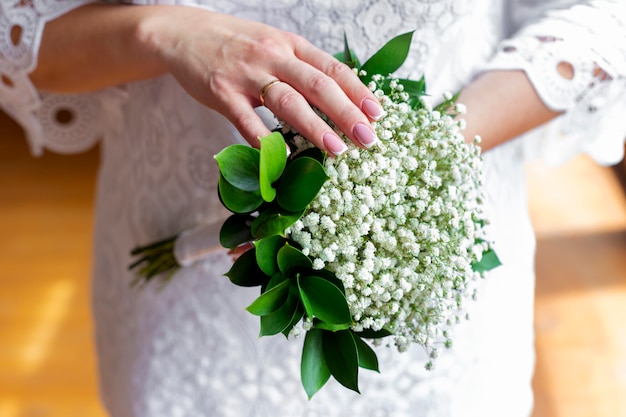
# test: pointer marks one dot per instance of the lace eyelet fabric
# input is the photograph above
(69, 122)
(190, 349)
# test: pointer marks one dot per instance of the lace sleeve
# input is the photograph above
(589, 38)
(61, 123)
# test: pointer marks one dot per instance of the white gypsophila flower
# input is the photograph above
(402, 223)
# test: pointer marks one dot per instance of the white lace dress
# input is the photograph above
(191, 349)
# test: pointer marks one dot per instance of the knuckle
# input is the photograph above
(217, 84)
(336, 69)
(287, 100)
(320, 82)
(269, 48)
(244, 122)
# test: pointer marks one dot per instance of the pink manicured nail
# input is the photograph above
(334, 144)
(372, 108)
(365, 135)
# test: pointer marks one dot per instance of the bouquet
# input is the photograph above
(373, 244)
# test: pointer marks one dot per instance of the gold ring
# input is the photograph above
(265, 89)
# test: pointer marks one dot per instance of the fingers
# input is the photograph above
(345, 77)
(334, 89)
(308, 77)
(331, 99)
(242, 115)
(291, 106)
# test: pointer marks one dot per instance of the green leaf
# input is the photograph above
(239, 164)
(273, 221)
(266, 252)
(236, 200)
(415, 90)
(236, 230)
(388, 58)
(297, 316)
(272, 163)
(374, 334)
(279, 320)
(341, 356)
(300, 183)
(313, 370)
(332, 278)
(276, 279)
(290, 257)
(446, 105)
(367, 356)
(347, 56)
(315, 153)
(330, 327)
(270, 301)
(245, 272)
(323, 300)
(413, 87)
(488, 262)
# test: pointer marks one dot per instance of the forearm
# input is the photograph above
(502, 105)
(95, 46)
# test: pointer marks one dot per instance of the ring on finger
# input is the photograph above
(266, 88)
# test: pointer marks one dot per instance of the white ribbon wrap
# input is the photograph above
(196, 244)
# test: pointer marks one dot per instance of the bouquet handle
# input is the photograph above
(197, 243)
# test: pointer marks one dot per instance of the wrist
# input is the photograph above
(502, 105)
(151, 37)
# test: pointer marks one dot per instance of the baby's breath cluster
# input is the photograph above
(402, 223)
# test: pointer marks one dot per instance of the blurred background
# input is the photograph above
(47, 361)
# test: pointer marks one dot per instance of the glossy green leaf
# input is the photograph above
(330, 327)
(273, 221)
(313, 370)
(272, 162)
(306, 303)
(347, 56)
(245, 272)
(276, 279)
(323, 300)
(239, 164)
(314, 153)
(290, 257)
(332, 278)
(300, 183)
(267, 251)
(279, 321)
(415, 90)
(446, 105)
(367, 356)
(297, 316)
(236, 230)
(374, 334)
(270, 301)
(388, 58)
(488, 262)
(236, 200)
(341, 356)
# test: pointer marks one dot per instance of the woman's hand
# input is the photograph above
(222, 61)
(225, 62)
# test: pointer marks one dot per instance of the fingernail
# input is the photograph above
(365, 135)
(373, 109)
(334, 144)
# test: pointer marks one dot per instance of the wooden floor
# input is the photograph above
(47, 365)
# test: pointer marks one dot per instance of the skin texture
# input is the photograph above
(502, 105)
(224, 62)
